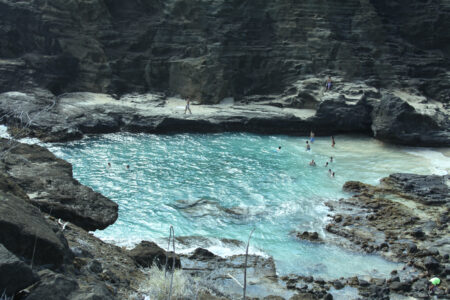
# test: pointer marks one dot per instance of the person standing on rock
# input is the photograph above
(328, 84)
(311, 136)
(188, 101)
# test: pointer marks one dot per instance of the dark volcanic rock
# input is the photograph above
(147, 254)
(400, 286)
(53, 286)
(37, 113)
(202, 254)
(275, 52)
(400, 220)
(49, 184)
(354, 186)
(309, 236)
(394, 120)
(217, 49)
(14, 273)
(432, 264)
(340, 116)
(431, 190)
(23, 228)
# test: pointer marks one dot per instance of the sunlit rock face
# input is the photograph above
(213, 49)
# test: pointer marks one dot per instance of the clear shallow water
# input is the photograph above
(243, 183)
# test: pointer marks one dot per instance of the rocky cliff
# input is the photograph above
(213, 49)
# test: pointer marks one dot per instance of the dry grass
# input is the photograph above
(158, 285)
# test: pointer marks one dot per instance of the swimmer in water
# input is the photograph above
(312, 163)
(308, 147)
(128, 167)
(109, 165)
(331, 158)
(332, 175)
(326, 164)
(279, 148)
(332, 141)
(329, 172)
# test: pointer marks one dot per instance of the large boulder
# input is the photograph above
(49, 184)
(396, 121)
(55, 286)
(339, 115)
(24, 232)
(14, 273)
(147, 254)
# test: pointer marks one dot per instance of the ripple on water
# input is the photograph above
(248, 184)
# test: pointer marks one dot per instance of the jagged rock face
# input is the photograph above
(212, 49)
(49, 185)
(14, 273)
(23, 228)
(395, 120)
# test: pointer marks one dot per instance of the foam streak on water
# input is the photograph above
(223, 185)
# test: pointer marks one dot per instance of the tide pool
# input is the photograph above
(223, 185)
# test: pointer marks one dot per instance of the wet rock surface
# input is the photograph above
(49, 185)
(403, 219)
(309, 236)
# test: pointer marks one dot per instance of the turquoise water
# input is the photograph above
(223, 185)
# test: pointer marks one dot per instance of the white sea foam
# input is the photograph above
(4, 132)
(224, 249)
(217, 246)
(438, 162)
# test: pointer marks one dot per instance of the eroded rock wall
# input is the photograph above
(213, 49)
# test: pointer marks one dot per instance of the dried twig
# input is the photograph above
(171, 237)
(245, 264)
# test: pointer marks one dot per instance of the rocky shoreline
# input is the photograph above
(404, 219)
(394, 116)
(249, 66)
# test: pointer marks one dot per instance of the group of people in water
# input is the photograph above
(312, 163)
